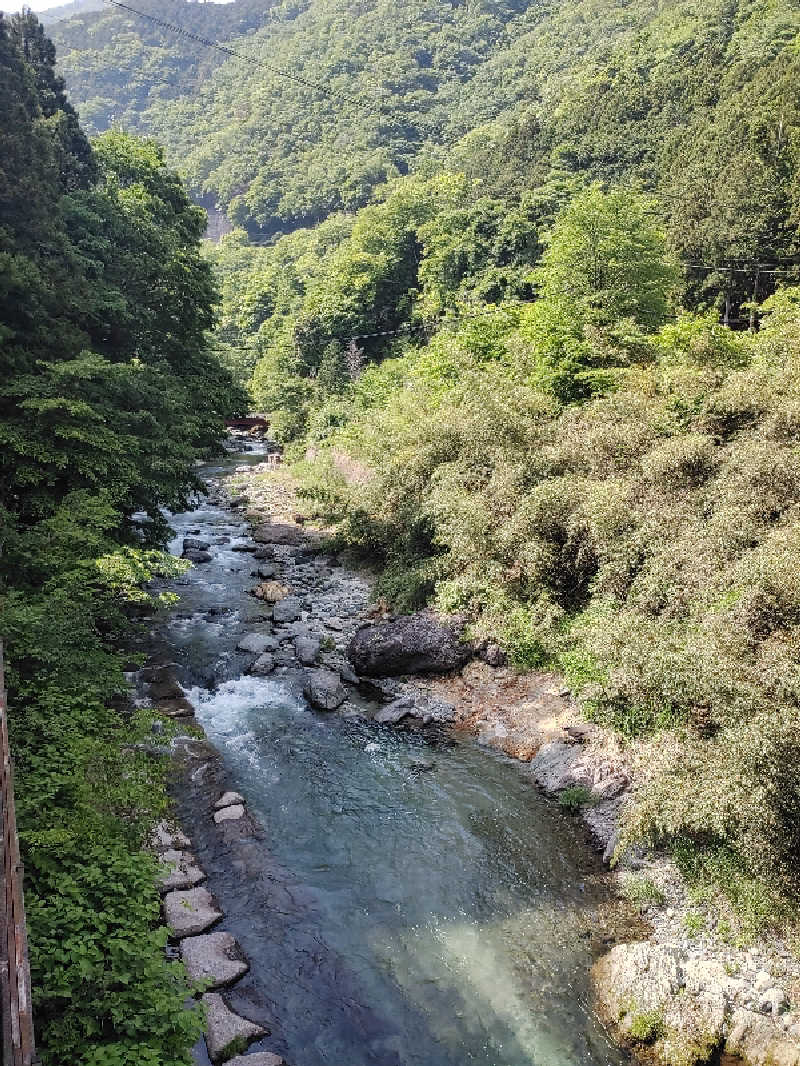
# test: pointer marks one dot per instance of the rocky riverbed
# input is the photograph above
(669, 984)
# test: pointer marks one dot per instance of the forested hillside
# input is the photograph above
(108, 394)
(698, 102)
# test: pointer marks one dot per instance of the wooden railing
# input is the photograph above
(16, 1013)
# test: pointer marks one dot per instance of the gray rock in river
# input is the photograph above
(415, 644)
(307, 649)
(277, 533)
(228, 799)
(287, 610)
(181, 871)
(195, 555)
(229, 814)
(263, 665)
(394, 712)
(198, 545)
(213, 958)
(256, 643)
(261, 1058)
(226, 1032)
(324, 690)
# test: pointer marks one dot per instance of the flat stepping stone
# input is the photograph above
(166, 837)
(182, 871)
(230, 814)
(261, 1058)
(228, 799)
(226, 1032)
(191, 912)
(213, 958)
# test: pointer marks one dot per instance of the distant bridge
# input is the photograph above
(249, 423)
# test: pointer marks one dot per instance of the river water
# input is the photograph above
(406, 901)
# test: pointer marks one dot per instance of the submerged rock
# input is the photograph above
(415, 644)
(256, 643)
(324, 690)
(226, 1032)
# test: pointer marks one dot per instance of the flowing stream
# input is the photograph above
(408, 901)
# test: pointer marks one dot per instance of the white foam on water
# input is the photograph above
(226, 713)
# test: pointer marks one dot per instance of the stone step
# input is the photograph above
(214, 958)
(229, 814)
(191, 912)
(227, 1032)
(260, 1058)
(181, 871)
(167, 837)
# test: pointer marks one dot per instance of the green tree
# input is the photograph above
(604, 283)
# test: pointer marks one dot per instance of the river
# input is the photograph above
(407, 900)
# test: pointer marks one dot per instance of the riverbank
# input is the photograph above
(683, 991)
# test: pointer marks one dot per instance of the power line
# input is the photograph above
(252, 60)
(282, 72)
(414, 327)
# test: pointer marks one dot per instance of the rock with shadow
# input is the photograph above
(417, 643)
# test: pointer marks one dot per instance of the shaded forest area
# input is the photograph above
(108, 395)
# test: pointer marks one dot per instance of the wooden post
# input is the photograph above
(754, 302)
(726, 319)
(19, 1048)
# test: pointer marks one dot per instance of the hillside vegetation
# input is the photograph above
(107, 396)
(529, 315)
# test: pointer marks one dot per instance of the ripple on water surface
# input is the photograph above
(444, 896)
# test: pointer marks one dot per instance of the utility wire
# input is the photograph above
(254, 61)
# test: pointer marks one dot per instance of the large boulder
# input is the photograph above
(277, 533)
(195, 555)
(324, 689)
(415, 644)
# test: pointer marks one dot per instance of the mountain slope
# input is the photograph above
(537, 89)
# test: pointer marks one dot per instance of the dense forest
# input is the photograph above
(107, 396)
(517, 285)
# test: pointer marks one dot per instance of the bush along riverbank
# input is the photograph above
(696, 975)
